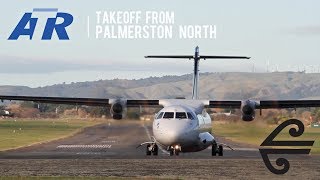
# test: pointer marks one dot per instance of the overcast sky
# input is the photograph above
(286, 33)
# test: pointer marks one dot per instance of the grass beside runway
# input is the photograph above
(255, 133)
(16, 133)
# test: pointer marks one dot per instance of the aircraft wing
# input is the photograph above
(267, 104)
(80, 101)
(289, 104)
(60, 100)
(150, 103)
(224, 104)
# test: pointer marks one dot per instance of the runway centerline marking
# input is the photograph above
(109, 141)
(112, 137)
(88, 153)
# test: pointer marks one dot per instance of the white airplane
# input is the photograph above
(183, 125)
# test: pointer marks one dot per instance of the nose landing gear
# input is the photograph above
(175, 150)
(216, 149)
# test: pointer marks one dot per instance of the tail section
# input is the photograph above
(196, 58)
(195, 92)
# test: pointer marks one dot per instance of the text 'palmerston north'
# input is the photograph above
(147, 25)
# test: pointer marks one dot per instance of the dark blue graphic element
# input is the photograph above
(20, 28)
(60, 28)
(269, 141)
(50, 26)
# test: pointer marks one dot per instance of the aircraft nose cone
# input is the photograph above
(172, 134)
(170, 137)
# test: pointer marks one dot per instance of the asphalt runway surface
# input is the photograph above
(109, 149)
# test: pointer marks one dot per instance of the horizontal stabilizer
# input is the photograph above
(199, 57)
(224, 57)
(176, 56)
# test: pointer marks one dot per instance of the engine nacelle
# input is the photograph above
(118, 109)
(248, 108)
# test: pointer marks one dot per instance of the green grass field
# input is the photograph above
(22, 132)
(255, 133)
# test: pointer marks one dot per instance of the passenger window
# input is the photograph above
(190, 116)
(160, 115)
(168, 115)
(181, 115)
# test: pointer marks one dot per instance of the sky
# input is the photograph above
(286, 33)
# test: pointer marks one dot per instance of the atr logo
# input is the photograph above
(50, 26)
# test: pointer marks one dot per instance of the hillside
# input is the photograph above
(282, 85)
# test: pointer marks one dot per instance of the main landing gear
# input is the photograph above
(152, 149)
(216, 149)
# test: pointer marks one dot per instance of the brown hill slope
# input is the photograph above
(284, 85)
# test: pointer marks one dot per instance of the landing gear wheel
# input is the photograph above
(176, 152)
(155, 150)
(220, 152)
(214, 149)
(171, 152)
(148, 152)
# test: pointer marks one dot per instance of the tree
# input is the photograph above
(316, 114)
(98, 111)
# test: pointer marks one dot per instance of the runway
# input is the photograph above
(109, 149)
(115, 139)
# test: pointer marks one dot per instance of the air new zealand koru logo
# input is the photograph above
(269, 141)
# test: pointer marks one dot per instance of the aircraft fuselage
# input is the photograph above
(181, 126)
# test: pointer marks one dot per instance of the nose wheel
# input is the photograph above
(216, 150)
(174, 152)
(152, 149)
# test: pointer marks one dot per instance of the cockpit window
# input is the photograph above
(160, 115)
(168, 115)
(181, 115)
(190, 116)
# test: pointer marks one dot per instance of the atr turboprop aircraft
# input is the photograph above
(183, 125)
